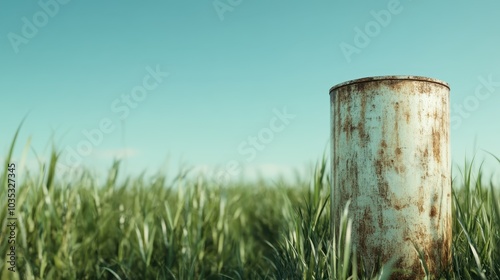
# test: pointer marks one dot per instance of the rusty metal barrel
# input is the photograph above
(391, 160)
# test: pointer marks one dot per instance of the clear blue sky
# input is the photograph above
(233, 67)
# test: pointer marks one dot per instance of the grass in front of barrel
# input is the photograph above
(176, 228)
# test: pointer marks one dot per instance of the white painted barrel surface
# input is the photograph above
(391, 159)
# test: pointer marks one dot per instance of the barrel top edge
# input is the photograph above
(394, 77)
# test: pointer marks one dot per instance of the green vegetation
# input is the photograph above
(177, 228)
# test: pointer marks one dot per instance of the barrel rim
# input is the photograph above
(391, 77)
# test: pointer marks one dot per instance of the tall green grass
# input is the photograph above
(179, 228)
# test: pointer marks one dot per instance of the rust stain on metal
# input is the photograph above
(383, 144)
(436, 145)
(424, 88)
(348, 128)
(396, 123)
(433, 212)
(420, 201)
(365, 228)
(395, 85)
(407, 117)
(447, 239)
(364, 137)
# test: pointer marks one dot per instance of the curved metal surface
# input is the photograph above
(391, 158)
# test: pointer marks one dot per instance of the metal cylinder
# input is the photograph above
(391, 160)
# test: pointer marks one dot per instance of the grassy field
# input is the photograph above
(177, 228)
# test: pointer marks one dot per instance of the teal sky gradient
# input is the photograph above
(226, 76)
